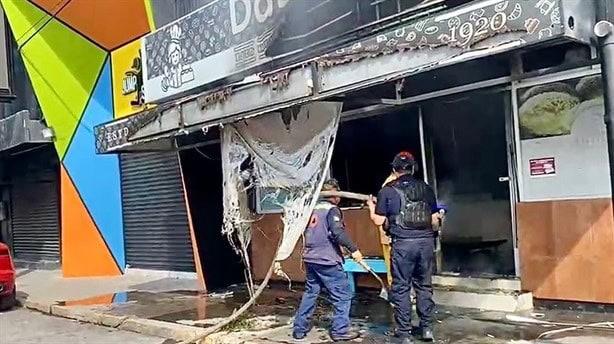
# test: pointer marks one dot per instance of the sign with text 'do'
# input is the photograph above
(220, 39)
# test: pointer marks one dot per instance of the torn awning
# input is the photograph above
(285, 151)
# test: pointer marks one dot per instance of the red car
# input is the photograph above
(7, 278)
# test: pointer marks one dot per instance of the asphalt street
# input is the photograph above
(27, 327)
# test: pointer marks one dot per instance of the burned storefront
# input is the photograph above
(500, 101)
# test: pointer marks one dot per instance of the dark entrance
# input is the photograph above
(32, 205)
(468, 166)
(202, 171)
(365, 147)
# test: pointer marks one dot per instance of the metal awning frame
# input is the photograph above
(311, 81)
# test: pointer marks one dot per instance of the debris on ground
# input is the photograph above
(224, 295)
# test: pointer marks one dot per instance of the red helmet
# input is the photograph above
(404, 161)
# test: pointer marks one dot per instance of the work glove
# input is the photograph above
(357, 256)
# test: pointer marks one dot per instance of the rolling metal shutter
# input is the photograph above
(35, 216)
(156, 228)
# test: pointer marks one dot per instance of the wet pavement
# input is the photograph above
(272, 316)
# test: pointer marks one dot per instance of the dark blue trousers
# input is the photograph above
(336, 282)
(412, 264)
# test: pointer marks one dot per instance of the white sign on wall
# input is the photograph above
(209, 44)
(563, 138)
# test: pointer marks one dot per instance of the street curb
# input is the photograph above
(142, 326)
(160, 329)
(36, 306)
(147, 327)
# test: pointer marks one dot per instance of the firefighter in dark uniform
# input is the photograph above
(407, 208)
(324, 236)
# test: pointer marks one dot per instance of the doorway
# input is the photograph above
(202, 171)
(466, 154)
(31, 205)
(364, 148)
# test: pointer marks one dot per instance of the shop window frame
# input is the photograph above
(591, 70)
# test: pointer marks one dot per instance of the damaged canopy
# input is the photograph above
(288, 150)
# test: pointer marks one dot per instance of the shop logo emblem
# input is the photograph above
(175, 72)
(133, 82)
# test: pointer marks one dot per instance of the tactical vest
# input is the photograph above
(415, 210)
(319, 246)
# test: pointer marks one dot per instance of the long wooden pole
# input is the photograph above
(345, 194)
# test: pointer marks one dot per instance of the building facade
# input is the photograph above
(502, 101)
(76, 65)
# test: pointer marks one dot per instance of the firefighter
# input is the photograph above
(324, 237)
(407, 209)
(385, 239)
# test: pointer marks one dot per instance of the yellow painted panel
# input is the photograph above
(127, 79)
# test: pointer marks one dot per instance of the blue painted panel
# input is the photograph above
(96, 177)
(121, 297)
(377, 265)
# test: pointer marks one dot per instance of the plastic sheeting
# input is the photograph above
(288, 150)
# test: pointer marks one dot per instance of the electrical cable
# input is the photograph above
(205, 155)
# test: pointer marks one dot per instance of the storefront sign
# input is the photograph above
(478, 29)
(543, 167)
(222, 38)
(4, 72)
(128, 90)
(115, 135)
(463, 28)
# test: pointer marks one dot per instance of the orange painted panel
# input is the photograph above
(50, 6)
(84, 252)
(197, 262)
(109, 23)
(105, 299)
(567, 249)
(266, 232)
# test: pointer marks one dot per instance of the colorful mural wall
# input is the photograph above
(82, 59)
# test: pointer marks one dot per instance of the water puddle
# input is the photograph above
(371, 315)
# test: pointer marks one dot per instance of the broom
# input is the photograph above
(383, 293)
(361, 197)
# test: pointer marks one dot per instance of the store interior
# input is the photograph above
(465, 159)
(202, 171)
(466, 155)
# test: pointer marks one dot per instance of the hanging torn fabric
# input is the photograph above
(288, 150)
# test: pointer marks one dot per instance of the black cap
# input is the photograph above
(330, 184)
(403, 161)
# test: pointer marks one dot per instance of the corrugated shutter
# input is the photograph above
(35, 216)
(156, 228)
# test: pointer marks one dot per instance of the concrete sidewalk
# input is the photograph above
(48, 292)
(49, 285)
(171, 307)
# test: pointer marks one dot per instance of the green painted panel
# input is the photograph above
(63, 67)
(25, 18)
